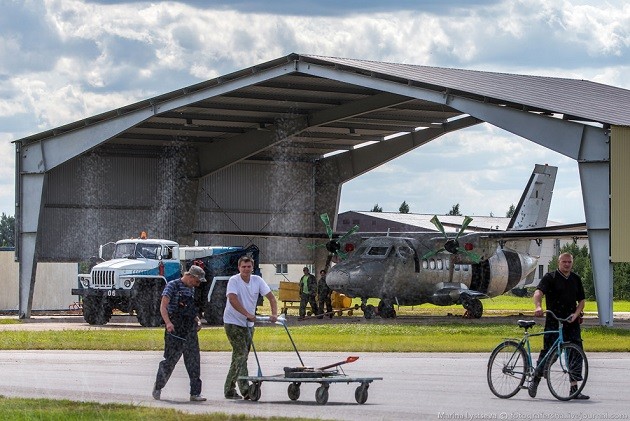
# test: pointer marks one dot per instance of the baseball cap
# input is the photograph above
(198, 273)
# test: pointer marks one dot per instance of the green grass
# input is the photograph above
(64, 410)
(457, 336)
(347, 337)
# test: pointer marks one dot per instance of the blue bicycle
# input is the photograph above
(510, 365)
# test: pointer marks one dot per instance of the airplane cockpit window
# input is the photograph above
(465, 267)
(457, 267)
(378, 251)
(405, 252)
(360, 251)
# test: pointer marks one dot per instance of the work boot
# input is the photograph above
(197, 398)
(579, 396)
(532, 389)
(156, 393)
(232, 395)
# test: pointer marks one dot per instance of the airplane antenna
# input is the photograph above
(387, 232)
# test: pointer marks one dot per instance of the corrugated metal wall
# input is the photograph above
(260, 196)
(107, 195)
(620, 194)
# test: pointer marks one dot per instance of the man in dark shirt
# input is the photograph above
(181, 322)
(564, 295)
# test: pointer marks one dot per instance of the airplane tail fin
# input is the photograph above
(533, 207)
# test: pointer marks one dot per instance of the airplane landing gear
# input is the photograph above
(368, 309)
(474, 308)
(386, 309)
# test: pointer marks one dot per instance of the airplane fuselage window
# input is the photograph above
(440, 264)
(378, 251)
(425, 264)
(432, 264)
(457, 267)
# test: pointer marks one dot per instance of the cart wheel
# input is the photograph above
(361, 394)
(254, 391)
(340, 313)
(321, 394)
(350, 312)
(294, 391)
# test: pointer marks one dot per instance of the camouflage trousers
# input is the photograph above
(241, 340)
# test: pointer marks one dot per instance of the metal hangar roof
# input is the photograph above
(281, 95)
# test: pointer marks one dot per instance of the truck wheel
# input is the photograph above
(148, 304)
(96, 311)
(213, 309)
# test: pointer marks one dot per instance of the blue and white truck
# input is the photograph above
(133, 279)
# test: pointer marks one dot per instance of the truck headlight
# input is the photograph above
(128, 283)
(85, 282)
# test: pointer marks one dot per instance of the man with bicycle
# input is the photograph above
(564, 295)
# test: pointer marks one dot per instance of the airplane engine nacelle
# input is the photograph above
(507, 269)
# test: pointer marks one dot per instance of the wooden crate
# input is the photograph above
(289, 291)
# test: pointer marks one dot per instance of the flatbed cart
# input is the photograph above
(295, 376)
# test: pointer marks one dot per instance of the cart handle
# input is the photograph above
(280, 321)
(346, 361)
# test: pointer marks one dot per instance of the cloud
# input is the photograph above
(63, 60)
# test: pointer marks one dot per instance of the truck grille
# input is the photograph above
(102, 278)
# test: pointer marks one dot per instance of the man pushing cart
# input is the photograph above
(295, 376)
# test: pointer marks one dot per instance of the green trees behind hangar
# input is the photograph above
(582, 266)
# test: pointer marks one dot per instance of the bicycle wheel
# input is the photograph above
(566, 364)
(507, 369)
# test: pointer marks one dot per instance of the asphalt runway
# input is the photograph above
(415, 386)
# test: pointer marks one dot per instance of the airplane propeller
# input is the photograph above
(452, 244)
(333, 245)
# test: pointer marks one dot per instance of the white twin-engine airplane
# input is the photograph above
(445, 268)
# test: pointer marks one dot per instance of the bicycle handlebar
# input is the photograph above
(567, 320)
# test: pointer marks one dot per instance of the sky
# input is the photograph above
(65, 60)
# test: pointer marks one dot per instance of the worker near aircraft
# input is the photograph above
(308, 291)
(181, 320)
(324, 295)
(239, 316)
(564, 296)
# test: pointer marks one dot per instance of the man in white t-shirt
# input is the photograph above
(238, 319)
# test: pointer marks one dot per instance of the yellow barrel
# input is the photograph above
(340, 301)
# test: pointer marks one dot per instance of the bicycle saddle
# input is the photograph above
(526, 323)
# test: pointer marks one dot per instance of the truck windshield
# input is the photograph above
(136, 250)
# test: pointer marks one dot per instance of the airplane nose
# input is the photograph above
(337, 279)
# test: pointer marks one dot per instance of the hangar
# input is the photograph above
(267, 148)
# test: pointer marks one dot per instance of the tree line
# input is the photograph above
(7, 231)
(404, 208)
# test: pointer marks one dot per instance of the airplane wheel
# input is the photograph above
(294, 391)
(361, 393)
(368, 312)
(386, 310)
(475, 308)
(321, 394)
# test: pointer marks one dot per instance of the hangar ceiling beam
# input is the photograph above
(216, 156)
(359, 161)
(57, 149)
(587, 144)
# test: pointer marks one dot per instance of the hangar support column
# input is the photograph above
(31, 186)
(589, 146)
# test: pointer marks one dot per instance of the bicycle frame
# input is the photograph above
(511, 364)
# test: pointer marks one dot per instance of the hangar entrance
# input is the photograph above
(214, 158)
